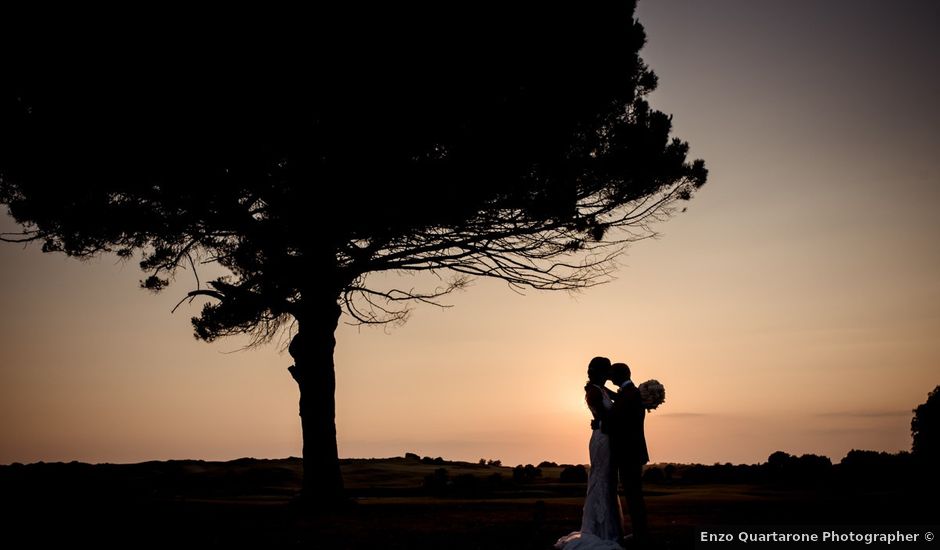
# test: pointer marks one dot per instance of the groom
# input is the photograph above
(628, 447)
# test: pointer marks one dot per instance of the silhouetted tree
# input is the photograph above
(812, 468)
(778, 460)
(779, 466)
(456, 141)
(864, 468)
(926, 445)
(800, 470)
(525, 474)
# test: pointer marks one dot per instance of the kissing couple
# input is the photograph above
(618, 453)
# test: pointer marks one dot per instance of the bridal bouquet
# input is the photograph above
(652, 394)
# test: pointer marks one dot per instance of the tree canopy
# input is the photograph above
(925, 444)
(516, 144)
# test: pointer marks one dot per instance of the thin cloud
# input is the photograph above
(865, 414)
(683, 414)
(851, 431)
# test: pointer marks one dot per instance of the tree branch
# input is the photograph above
(193, 293)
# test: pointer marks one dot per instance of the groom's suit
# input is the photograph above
(628, 440)
(628, 452)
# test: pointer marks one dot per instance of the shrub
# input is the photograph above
(574, 474)
(525, 474)
(437, 482)
(653, 475)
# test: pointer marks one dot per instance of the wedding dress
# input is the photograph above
(602, 515)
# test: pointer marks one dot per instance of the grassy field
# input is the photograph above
(248, 502)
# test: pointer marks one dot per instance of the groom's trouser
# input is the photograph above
(631, 476)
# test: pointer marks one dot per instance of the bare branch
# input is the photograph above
(195, 272)
(20, 237)
(193, 293)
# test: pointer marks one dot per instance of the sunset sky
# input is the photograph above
(795, 306)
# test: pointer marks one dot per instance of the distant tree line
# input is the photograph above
(859, 469)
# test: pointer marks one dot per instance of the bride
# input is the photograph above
(602, 516)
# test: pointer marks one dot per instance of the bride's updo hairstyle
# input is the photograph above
(598, 371)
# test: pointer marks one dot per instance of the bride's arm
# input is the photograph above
(595, 400)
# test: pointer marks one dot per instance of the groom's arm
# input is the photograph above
(623, 415)
(614, 420)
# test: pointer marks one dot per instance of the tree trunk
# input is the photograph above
(312, 350)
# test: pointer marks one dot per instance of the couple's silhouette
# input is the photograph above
(618, 453)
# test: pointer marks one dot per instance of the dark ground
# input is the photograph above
(247, 503)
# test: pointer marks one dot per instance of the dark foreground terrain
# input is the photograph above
(401, 503)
